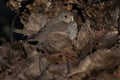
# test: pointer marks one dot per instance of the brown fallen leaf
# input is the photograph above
(36, 22)
(85, 40)
(106, 76)
(101, 59)
(100, 33)
(84, 36)
(58, 69)
(117, 72)
(108, 40)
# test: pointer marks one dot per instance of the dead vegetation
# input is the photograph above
(93, 55)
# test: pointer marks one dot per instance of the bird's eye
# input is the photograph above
(65, 16)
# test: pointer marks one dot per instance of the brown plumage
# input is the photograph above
(57, 33)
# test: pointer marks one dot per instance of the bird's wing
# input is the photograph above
(57, 26)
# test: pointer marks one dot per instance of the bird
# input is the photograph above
(58, 33)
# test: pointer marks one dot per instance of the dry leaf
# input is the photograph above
(101, 59)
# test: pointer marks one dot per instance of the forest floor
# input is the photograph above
(93, 55)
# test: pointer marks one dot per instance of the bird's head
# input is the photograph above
(65, 16)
